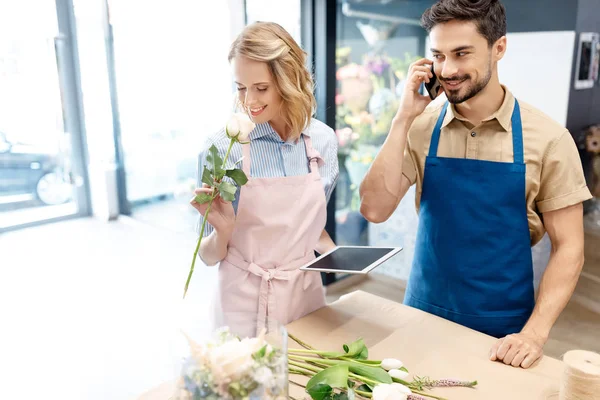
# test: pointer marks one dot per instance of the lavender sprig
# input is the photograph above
(425, 382)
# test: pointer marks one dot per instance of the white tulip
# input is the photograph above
(239, 127)
(398, 373)
(391, 363)
(401, 388)
(388, 392)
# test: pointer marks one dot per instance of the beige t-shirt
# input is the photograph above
(554, 174)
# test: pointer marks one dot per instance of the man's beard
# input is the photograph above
(455, 97)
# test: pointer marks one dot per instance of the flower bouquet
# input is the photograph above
(352, 375)
(231, 368)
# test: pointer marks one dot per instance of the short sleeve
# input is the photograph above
(408, 164)
(562, 182)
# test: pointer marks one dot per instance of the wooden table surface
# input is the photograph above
(428, 346)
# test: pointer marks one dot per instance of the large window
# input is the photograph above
(41, 175)
(174, 90)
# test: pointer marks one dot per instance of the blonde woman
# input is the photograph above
(277, 220)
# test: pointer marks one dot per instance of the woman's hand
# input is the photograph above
(221, 215)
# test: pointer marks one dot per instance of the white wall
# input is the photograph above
(537, 69)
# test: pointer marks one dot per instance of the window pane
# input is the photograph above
(373, 55)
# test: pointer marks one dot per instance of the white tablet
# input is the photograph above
(351, 259)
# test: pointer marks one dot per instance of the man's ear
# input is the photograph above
(499, 48)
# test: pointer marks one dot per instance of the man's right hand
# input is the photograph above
(221, 215)
(412, 103)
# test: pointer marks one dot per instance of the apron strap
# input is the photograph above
(314, 158)
(435, 136)
(266, 299)
(517, 133)
(246, 161)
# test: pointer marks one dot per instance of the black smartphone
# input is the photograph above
(433, 85)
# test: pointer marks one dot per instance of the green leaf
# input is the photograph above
(203, 198)
(335, 376)
(238, 176)
(403, 369)
(216, 162)
(207, 177)
(260, 353)
(377, 374)
(357, 349)
(320, 391)
(340, 396)
(227, 190)
(364, 388)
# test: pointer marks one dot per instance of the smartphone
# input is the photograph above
(433, 85)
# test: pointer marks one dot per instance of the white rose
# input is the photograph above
(388, 392)
(231, 361)
(239, 127)
(391, 363)
(264, 376)
(398, 373)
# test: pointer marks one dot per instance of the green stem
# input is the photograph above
(323, 361)
(307, 367)
(300, 372)
(363, 379)
(228, 151)
(300, 342)
(364, 394)
(187, 283)
(427, 395)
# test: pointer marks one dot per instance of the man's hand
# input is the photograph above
(519, 350)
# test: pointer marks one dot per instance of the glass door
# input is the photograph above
(41, 165)
(375, 43)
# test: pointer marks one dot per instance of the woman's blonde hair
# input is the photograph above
(268, 42)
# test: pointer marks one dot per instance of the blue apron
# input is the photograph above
(472, 261)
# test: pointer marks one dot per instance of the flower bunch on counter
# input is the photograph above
(232, 368)
(351, 374)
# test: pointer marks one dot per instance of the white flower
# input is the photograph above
(401, 388)
(264, 376)
(390, 392)
(231, 361)
(239, 127)
(398, 373)
(391, 363)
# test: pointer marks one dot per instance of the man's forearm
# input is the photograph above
(381, 189)
(556, 288)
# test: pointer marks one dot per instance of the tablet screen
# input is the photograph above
(352, 259)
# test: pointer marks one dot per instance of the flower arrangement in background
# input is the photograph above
(367, 99)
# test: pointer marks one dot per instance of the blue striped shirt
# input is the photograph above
(272, 157)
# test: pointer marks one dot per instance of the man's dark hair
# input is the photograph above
(488, 15)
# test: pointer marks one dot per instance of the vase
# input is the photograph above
(231, 367)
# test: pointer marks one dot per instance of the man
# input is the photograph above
(492, 174)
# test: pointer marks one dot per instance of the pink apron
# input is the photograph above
(278, 224)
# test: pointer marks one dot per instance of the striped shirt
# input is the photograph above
(272, 157)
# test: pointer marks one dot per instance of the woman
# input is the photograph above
(277, 219)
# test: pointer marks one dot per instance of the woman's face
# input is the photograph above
(256, 89)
